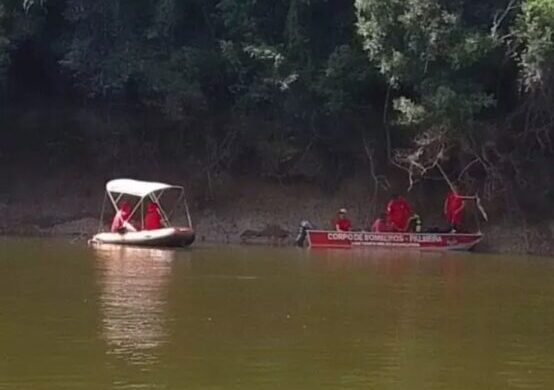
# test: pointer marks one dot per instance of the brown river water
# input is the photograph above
(75, 317)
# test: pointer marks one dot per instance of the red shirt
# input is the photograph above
(119, 220)
(152, 219)
(398, 213)
(453, 206)
(343, 225)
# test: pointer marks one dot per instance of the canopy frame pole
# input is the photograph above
(141, 216)
(135, 209)
(118, 198)
(114, 201)
(158, 201)
(177, 203)
(187, 211)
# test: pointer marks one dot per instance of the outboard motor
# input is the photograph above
(415, 224)
(303, 232)
(418, 224)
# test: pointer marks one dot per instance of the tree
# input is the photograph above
(14, 26)
(534, 37)
(426, 52)
(534, 31)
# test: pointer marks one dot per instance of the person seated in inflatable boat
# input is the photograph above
(153, 218)
(120, 223)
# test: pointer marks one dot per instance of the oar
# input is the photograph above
(481, 208)
(479, 205)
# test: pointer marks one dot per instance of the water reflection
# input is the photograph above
(266, 318)
(405, 300)
(134, 283)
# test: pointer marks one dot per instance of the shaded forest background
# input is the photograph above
(287, 90)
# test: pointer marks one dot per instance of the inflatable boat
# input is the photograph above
(132, 230)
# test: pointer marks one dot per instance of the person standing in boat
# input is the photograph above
(152, 219)
(453, 209)
(120, 223)
(398, 213)
(341, 223)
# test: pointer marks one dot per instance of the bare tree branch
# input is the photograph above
(499, 18)
(430, 149)
(379, 181)
(466, 168)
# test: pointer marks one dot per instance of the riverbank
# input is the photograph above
(247, 211)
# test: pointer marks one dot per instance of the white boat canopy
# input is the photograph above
(116, 189)
(137, 187)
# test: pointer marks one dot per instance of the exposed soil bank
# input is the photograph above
(245, 205)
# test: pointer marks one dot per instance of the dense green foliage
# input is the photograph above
(428, 49)
(534, 30)
(284, 87)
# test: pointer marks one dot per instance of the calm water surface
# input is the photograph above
(73, 317)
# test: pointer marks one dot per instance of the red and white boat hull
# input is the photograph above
(422, 241)
(166, 237)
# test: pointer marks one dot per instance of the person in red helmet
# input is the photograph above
(120, 223)
(453, 209)
(341, 223)
(398, 213)
(152, 219)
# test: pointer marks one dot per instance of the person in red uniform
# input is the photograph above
(398, 214)
(152, 219)
(380, 225)
(453, 209)
(341, 223)
(120, 221)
